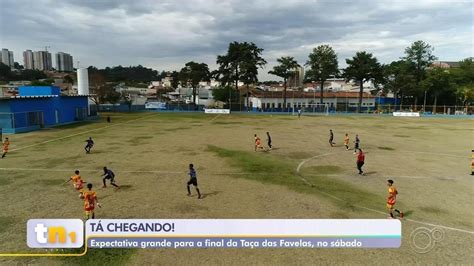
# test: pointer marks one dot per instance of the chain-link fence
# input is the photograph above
(304, 108)
(428, 109)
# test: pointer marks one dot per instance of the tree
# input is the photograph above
(284, 70)
(130, 75)
(399, 79)
(419, 55)
(17, 65)
(463, 77)
(68, 79)
(241, 63)
(363, 67)
(110, 95)
(322, 64)
(437, 82)
(224, 93)
(97, 87)
(193, 73)
(174, 79)
(465, 94)
(5, 72)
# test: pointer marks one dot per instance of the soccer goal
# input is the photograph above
(316, 108)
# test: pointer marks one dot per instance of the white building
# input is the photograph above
(7, 57)
(28, 61)
(166, 81)
(273, 100)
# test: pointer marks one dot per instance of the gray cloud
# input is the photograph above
(167, 34)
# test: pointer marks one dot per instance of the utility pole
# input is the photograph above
(424, 102)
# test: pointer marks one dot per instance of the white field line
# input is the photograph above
(215, 117)
(369, 209)
(77, 134)
(13, 169)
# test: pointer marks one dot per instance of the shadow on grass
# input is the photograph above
(268, 169)
(210, 194)
(386, 148)
(370, 173)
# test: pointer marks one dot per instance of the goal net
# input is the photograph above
(313, 108)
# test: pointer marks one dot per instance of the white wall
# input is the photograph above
(305, 102)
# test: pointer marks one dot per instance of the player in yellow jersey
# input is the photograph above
(6, 145)
(258, 143)
(77, 182)
(472, 163)
(392, 199)
(90, 201)
(346, 141)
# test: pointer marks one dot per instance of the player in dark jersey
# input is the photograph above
(89, 145)
(356, 144)
(331, 138)
(269, 141)
(193, 180)
(108, 174)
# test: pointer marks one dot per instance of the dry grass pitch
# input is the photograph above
(302, 177)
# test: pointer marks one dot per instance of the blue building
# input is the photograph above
(36, 107)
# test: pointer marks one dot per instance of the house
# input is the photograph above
(334, 101)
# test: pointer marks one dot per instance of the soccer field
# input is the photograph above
(302, 177)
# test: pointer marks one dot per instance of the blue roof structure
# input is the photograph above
(36, 107)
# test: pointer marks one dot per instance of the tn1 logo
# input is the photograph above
(53, 234)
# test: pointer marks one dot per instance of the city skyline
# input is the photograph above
(166, 35)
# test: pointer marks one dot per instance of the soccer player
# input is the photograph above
(360, 161)
(331, 138)
(193, 180)
(472, 163)
(299, 113)
(269, 141)
(90, 200)
(77, 182)
(258, 143)
(89, 145)
(6, 143)
(392, 199)
(356, 144)
(108, 174)
(346, 141)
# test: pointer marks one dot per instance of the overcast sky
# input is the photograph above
(164, 35)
